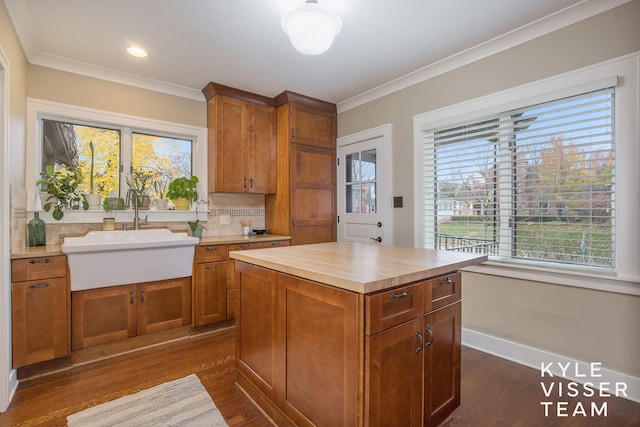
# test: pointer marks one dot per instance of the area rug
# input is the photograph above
(183, 402)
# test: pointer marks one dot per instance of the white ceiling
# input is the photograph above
(240, 43)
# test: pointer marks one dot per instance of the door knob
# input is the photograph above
(379, 224)
(377, 239)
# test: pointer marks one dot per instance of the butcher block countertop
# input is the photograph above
(358, 267)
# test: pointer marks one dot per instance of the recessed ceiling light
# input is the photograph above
(137, 51)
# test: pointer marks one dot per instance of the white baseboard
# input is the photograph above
(534, 358)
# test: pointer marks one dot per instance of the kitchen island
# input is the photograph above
(350, 334)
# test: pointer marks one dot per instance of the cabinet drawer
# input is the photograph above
(38, 268)
(443, 290)
(393, 307)
(211, 253)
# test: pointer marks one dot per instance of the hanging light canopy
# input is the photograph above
(311, 27)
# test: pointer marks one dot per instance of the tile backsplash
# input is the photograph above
(224, 215)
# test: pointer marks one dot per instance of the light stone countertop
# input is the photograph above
(358, 267)
(54, 250)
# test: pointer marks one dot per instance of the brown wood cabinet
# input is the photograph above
(313, 354)
(114, 313)
(242, 141)
(214, 295)
(298, 344)
(40, 309)
(304, 205)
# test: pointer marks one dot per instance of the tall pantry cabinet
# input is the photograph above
(304, 206)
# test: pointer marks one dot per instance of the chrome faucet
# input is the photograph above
(132, 192)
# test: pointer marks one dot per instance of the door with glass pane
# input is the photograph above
(361, 181)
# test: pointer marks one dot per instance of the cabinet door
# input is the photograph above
(39, 321)
(102, 315)
(393, 376)
(229, 147)
(442, 363)
(164, 305)
(261, 149)
(321, 363)
(210, 297)
(256, 291)
(313, 194)
(311, 126)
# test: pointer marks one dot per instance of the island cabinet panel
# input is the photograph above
(393, 380)
(256, 341)
(442, 359)
(319, 340)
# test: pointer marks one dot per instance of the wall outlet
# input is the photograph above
(225, 219)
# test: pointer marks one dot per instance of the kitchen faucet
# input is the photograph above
(134, 199)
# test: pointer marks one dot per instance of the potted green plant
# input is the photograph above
(111, 204)
(141, 180)
(183, 191)
(196, 227)
(160, 188)
(92, 198)
(63, 186)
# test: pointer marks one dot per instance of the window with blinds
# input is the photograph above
(536, 183)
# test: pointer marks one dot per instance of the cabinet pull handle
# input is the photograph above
(245, 246)
(430, 332)
(275, 243)
(293, 133)
(400, 295)
(211, 267)
(142, 293)
(41, 285)
(211, 248)
(442, 282)
(251, 183)
(40, 261)
(131, 297)
(419, 335)
(245, 183)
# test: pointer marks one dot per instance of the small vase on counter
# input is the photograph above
(36, 231)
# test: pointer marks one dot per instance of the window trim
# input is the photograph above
(624, 70)
(38, 109)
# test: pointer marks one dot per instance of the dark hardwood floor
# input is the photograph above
(495, 392)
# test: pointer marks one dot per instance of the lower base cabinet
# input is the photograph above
(312, 354)
(103, 315)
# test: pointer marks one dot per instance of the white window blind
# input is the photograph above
(536, 183)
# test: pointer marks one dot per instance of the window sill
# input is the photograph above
(96, 216)
(600, 282)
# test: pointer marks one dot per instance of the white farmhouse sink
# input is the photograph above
(109, 258)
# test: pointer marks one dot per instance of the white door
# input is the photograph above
(364, 200)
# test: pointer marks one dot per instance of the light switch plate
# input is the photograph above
(225, 220)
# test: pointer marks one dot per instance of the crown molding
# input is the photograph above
(571, 15)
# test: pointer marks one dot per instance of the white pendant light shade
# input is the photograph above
(311, 27)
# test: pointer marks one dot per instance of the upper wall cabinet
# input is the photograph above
(242, 141)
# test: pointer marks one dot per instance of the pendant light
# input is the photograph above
(311, 27)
